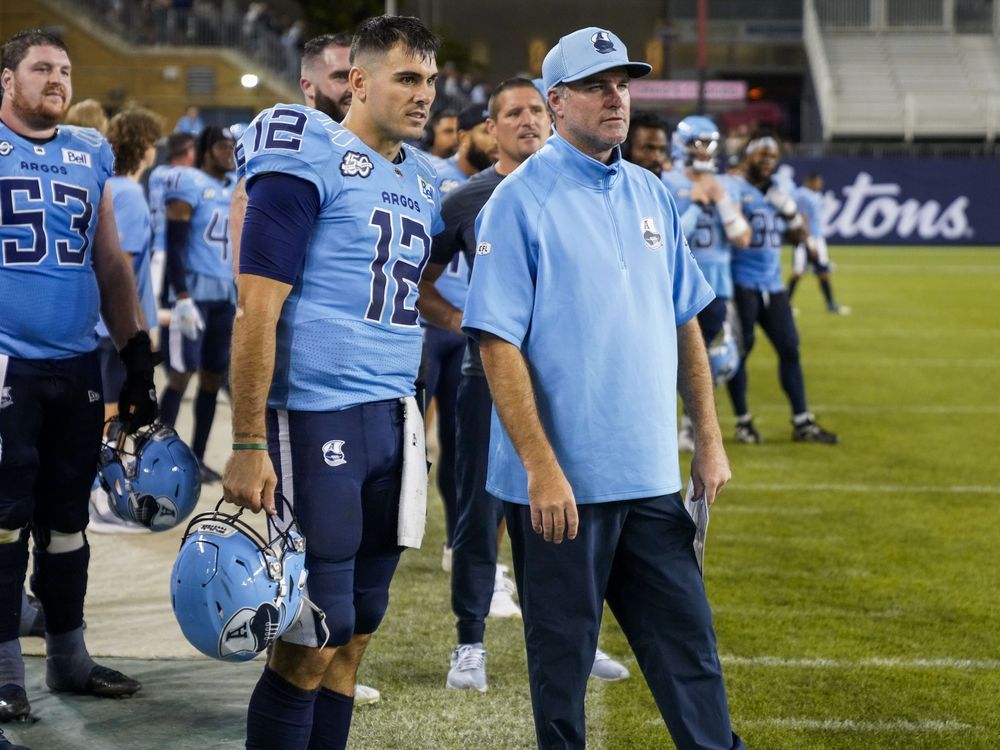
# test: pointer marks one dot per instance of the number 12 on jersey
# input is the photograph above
(404, 273)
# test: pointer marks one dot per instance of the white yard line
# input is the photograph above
(855, 487)
(988, 665)
(851, 725)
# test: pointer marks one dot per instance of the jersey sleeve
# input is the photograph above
(132, 220)
(182, 185)
(295, 141)
(691, 293)
(502, 288)
(105, 161)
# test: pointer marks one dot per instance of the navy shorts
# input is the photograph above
(51, 416)
(210, 351)
(340, 471)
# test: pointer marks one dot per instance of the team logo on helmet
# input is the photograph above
(157, 513)
(333, 453)
(355, 165)
(5, 148)
(650, 234)
(602, 42)
(250, 631)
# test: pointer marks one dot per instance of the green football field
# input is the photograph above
(855, 588)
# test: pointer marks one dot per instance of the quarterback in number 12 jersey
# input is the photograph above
(348, 332)
(49, 194)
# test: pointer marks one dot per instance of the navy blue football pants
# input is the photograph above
(341, 471)
(51, 415)
(638, 556)
(474, 546)
(442, 369)
(773, 313)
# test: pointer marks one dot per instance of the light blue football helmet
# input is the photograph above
(234, 593)
(152, 477)
(724, 355)
(691, 131)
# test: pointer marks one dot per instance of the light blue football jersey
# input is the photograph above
(810, 205)
(454, 282)
(49, 197)
(134, 236)
(583, 267)
(209, 261)
(348, 332)
(155, 188)
(759, 265)
(707, 235)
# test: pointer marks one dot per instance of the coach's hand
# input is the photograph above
(249, 481)
(137, 405)
(553, 507)
(709, 469)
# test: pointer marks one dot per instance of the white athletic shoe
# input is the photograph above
(446, 558)
(606, 668)
(103, 520)
(685, 436)
(364, 695)
(502, 604)
(468, 668)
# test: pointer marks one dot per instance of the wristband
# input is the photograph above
(249, 446)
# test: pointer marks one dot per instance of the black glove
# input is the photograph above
(137, 405)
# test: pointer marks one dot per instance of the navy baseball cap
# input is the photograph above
(586, 52)
(471, 116)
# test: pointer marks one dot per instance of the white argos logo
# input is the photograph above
(333, 452)
(5, 148)
(6, 397)
(650, 234)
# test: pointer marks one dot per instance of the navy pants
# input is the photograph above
(474, 546)
(637, 555)
(442, 369)
(773, 313)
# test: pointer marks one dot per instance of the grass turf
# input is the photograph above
(854, 587)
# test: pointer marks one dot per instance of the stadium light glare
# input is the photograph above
(249, 80)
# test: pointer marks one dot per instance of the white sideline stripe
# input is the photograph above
(865, 488)
(943, 409)
(901, 269)
(888, 363)
(851, 725)
(988, 665)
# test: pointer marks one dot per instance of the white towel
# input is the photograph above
(697, 508)
(413, 492)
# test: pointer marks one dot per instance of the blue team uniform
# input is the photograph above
(348, 348)
(758, 266)
(156, 189)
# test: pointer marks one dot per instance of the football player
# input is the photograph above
(646, 144)
(326, 344)
(180, 153)
(712, 223)
(813, 251)
(61, 264)
(760, 295)
(325, 65)
(200, 273)
(442, 134)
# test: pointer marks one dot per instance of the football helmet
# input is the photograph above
(724, 355)
(693, 134)
(152, 477)
(233, 593)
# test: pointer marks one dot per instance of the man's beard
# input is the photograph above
(38, 117)
(335, 110)
(478, 158)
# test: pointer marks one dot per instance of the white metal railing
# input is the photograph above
(919, 108)
(819, 66)
(966, 16)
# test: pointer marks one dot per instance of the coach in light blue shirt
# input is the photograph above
(583, 297)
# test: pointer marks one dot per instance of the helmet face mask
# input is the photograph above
(233, 592)
(152, 477)
(695, 143)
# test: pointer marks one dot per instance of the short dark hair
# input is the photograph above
(15, 48)
(130, 133)
(511, 83)
(315, 46)
(650, 120)
(381, 33)
(178, 144)
(211, 135)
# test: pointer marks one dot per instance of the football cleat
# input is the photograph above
(468, 668)
(102, 682)
(6, 744)
(234, 593)
(838, 309)
(154, 482)
(810, 432)
(685, 436)
(446, 558)
(607, 669)
(746, 432)
(14, 704)
(502, 603)
(365, 696)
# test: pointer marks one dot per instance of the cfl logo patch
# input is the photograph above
(484, 248)
(355, 165)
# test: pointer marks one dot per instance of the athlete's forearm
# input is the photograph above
(434, 308)
(252, 361)
(237, 212)
(514, 397)
(694, 381)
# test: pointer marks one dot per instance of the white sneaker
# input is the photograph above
(502, 604)
(685, 436)
(468, 668)
(446, 558)
(103, 520)
(606, 668)
(364, 695)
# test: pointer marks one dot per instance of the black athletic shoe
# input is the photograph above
(103, 682)
(747, 433)
(209, 476)
(14, 704)
(6, 744)
(810, 432)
